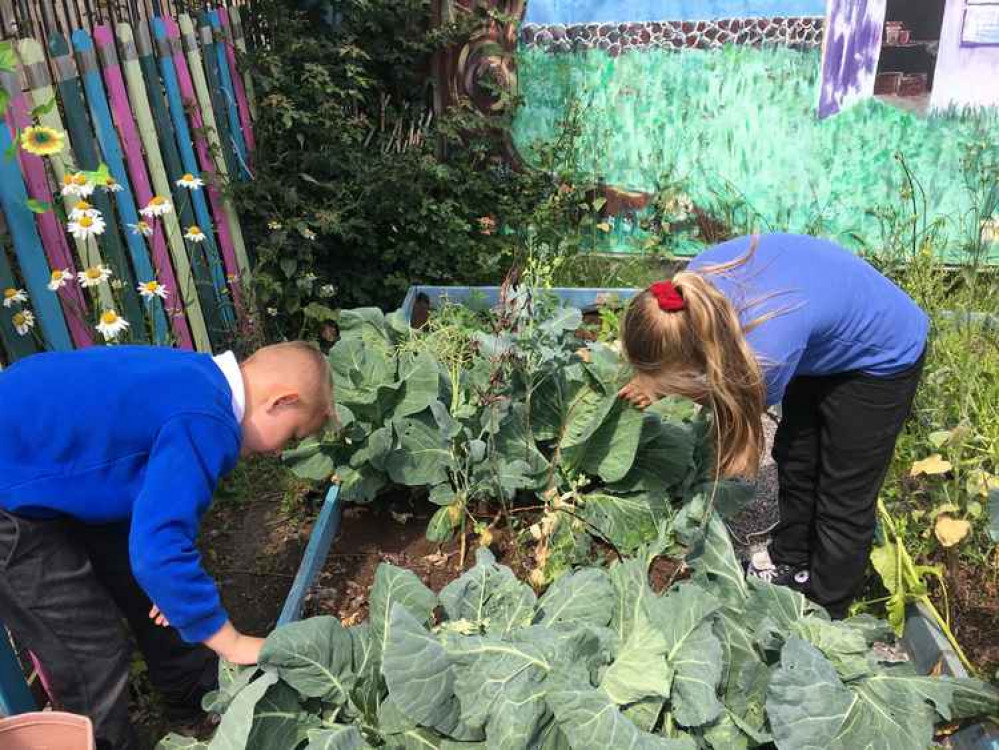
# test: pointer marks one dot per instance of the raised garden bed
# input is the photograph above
(491, 657)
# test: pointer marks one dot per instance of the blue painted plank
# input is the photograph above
(190, 162)
(569, 12)
(315, 556)
(225, 75)
(14, 344)
(29, 250)
(15, 696)
(211, 64)
(107, 137)
(585, 298)
(83, 146)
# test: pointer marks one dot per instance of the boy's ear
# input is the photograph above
(284, 398)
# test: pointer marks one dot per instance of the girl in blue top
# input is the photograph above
(801, 322)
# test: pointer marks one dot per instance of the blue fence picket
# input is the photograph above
(29, 250)
(211, 65)
(15, 345)
(107, 137)
(225, 78)
(15, 696)
(188, 158)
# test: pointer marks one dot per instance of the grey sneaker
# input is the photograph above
(780, 574)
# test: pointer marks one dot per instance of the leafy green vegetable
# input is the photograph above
(512, 410)
(599, 661)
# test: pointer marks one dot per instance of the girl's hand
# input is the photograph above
(637, 394)
(158, 617)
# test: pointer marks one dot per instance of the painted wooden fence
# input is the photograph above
(154, 97)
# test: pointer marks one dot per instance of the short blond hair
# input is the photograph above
(311, 372)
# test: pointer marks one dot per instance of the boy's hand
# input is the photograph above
(235, 647)
(637, 394)
(246, 651)
(158, 617)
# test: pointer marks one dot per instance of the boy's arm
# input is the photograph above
(190, 454)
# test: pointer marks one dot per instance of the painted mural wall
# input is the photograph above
(966, 73)
(768, 115)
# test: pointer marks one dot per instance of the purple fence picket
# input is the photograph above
(132, 146)
(237, 84)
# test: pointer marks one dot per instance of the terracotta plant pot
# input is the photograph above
(887, 83)
(47, 730)
(913, 84)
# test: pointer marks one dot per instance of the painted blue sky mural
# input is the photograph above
(570, 12)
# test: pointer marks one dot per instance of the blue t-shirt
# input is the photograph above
(126, 433)
(834, 312)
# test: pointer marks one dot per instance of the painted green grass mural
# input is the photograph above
(736, 130)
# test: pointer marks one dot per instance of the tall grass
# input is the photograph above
(737, 128)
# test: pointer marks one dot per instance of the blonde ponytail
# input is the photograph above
(701, 352)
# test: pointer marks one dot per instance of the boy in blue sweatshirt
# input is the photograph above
(108, 459)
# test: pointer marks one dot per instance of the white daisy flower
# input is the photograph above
(327, 291)
(113, 186)
(23, 321)
(111, 325)
(87, 226)
(190, 182)
(194, 234)
(308, 234)
(142, 228)
(151, 289)
(77, 184)
(12, 296)
(117, 284)
(273, 225)
(81, 209)
(157, 206)
(272, 311)
(59, 279)
(94, 275)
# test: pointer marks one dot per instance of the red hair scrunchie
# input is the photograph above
(668, 296)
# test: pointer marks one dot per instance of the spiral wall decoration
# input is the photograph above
(485, 63)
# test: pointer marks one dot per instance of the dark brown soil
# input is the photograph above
(974, 608)
(253, 549)
(590, 328)
(394, 532)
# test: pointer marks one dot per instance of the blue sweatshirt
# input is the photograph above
(116, 433)
(834, 312)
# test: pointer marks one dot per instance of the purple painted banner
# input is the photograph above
(850, 53)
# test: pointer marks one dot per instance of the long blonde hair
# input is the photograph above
(701, 352)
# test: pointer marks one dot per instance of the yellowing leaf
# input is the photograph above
(935, 464)
(604, 227)
(940, 438)
(980, 482)
(951, 531)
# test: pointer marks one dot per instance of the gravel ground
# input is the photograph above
(751, 528)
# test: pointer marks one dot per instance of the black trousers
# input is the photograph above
(65, 591)
(833, 448)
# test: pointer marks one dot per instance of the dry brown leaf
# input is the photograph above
(934, 464)
(951, 531)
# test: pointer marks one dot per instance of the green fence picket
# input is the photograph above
(147, 133)
(36, 72)
(85, 148)
(171, 160)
